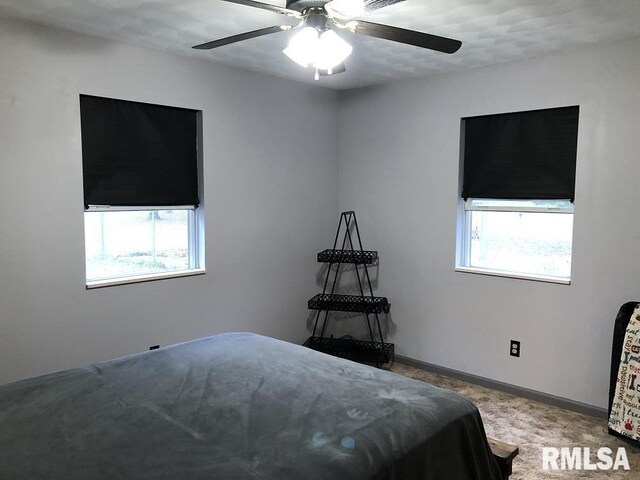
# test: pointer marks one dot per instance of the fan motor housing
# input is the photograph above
(301, 5)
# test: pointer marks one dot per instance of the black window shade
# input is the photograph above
(523, 155)
(138, 154)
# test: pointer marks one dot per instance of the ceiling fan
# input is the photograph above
(317, 44)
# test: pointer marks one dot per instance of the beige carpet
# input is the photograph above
(532, 425)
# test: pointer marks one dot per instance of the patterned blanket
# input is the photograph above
(625, 410)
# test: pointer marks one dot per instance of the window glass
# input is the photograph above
(519, 237)
(133, 243)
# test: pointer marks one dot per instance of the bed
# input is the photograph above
(238, 406)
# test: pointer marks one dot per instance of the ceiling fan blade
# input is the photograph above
(334, 71)
(373, 5)
(410, 37)
(266, 6)
(242, 36)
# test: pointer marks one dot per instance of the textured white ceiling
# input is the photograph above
(492, 31)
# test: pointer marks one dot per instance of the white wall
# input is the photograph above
(399, 154)
(270, 194)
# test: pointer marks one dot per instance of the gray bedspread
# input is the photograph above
(237, 406)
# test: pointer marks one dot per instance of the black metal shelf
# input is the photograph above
(352, 349)
(349, 303)
(351, 252)
(359, 257)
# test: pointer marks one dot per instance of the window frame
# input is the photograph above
(463, 260)
(195, 245)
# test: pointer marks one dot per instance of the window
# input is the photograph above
(126, 243)
(141, 191)
(530, 237)
(517, 194)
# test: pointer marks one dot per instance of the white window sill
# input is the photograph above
(143, 278)
(520, 276)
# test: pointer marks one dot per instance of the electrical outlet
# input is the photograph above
(514, 348)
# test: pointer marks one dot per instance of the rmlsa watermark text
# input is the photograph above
(579, 458)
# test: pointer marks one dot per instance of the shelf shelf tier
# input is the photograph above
(349, 303)
(357, 350)
(359, 257)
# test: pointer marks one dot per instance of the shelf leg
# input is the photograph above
(335, 278)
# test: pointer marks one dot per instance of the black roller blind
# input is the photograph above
(523, 155)
(138, 154)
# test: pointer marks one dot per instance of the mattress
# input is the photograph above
(237, 406)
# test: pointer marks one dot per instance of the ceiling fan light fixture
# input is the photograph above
(332, 51)
(321, 50)
(316, 43)
(345, 8)
(302, 46)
